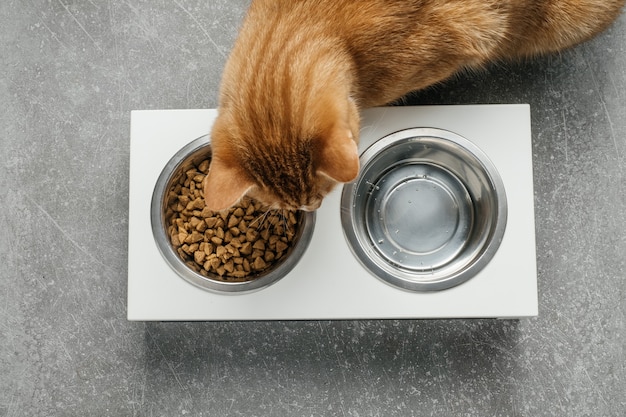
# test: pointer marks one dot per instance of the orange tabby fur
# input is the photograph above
(300, 71)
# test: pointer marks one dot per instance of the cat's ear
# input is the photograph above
(224, 186)
(339, 156)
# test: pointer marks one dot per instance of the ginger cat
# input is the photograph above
(301, 70)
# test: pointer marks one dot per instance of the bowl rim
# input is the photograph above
(406, 280)
(162, 241)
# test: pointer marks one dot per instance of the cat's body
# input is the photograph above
(301, 69)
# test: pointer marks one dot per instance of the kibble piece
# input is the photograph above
(251, 235)
(210, 221)
(183, 199)
(229, 266)
(220, 251)
(281, 246)
(212, 263)
(196, 236)
(201, 227)
(199, 256)
(246, 248)
(259, 264)
(233, 221)
(232, 250)
(194, 221)
(240, 274)
(204, 166)
(235, 242)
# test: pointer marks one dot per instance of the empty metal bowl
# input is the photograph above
(427, 212)
(190, 156)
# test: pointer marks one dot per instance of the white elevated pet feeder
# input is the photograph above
(471, 257)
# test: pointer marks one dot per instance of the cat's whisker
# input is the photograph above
(345, 210)
(260, 219)
(264, 218)
(283, 216)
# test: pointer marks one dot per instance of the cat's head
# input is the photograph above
(282, 162)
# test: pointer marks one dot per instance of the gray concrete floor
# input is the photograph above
(71, 73)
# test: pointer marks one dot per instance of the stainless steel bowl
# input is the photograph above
(427, 212)
(187, 157)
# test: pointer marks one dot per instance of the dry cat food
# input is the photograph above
(233, 245)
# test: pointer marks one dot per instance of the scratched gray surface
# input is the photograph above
(72, 70)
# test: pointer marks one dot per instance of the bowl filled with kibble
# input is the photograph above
(242, 249)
